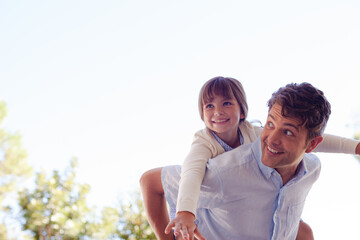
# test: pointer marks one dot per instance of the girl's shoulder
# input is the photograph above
(204, 134)
(206, 139)
(249, 131)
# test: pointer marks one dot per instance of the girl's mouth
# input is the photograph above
(220, 121)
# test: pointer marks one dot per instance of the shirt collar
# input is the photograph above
(223, 144)
(302, 168)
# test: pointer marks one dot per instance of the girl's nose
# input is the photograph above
(218, 111)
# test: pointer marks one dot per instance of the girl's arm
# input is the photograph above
(336, 144)
(192, 174)
(202, 149)
(156, 208)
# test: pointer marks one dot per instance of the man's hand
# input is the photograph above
(184, 224)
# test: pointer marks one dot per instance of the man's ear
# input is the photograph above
(312, 144)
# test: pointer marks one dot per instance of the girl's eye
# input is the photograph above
(209, 106)
(227, 103)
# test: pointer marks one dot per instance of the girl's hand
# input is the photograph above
(184, 224)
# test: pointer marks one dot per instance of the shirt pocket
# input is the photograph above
(293, 220)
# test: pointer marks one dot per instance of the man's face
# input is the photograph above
(284, 143)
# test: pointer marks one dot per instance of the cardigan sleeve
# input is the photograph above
(203, 148)
(336, 144)
(249, 132)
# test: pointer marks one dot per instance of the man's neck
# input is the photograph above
(286, 176)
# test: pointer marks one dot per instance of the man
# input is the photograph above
(258, 190)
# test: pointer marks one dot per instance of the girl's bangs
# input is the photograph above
(217, 88)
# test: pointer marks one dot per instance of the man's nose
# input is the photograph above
(274, 137)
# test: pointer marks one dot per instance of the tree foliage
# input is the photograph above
(13, 167)
(56, 208)
(133, 223)
(13, 159)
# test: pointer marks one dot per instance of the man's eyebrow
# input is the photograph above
(286, 124)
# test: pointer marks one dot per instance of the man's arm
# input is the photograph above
(155, 203)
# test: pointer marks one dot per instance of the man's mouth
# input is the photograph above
(273, 150)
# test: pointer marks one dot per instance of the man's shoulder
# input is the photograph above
(312, 161)
(235, 157)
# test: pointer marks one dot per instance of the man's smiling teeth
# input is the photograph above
(272, 150)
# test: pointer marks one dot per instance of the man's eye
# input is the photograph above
(288, 133)
(269, 124)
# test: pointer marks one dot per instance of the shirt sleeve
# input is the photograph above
(193, 171)
(211, 192)
(170, 177)
(336, 144)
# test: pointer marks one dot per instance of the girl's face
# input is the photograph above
(222, 116)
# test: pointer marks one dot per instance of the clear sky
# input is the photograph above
(115, 84)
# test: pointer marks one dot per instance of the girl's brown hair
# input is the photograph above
(226, 87)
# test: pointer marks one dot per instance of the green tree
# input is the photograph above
(13, 167)
(104, 227)
(56, 208)
(133, 224)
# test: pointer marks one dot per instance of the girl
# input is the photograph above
(223, 108)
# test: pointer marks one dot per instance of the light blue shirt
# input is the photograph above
(226, 147)
(241, 198)
(223, 144)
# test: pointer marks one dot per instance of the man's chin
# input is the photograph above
(269, 161)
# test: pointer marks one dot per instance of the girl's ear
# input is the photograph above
(312, 144)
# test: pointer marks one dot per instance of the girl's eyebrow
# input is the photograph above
(209, 100)
(229, 98)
